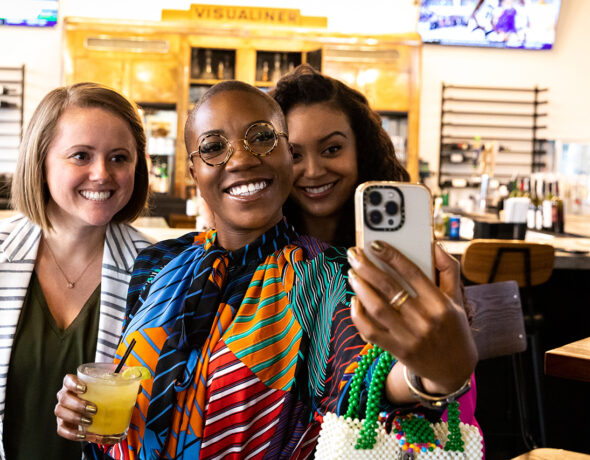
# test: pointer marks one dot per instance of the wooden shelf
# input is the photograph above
(204, 82)
(492, 101)
(474, 125)
(493, 114)
(173, 71)
(497, 88)
(494, 138)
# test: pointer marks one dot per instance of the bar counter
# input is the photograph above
(571, 253)
(572, 249)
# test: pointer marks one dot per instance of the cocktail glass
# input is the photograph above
(114, 396)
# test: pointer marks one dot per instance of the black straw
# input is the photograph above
(125, 356)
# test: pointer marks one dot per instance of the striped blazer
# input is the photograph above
(19, 241)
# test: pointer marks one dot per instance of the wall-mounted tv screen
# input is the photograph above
(527, 24)
(37, 13)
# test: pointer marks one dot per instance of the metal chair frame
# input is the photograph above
(517, 364)
(517, 358)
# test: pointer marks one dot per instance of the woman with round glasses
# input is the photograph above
(246, 329)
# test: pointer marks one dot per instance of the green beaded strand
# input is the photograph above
(454, 441)
(357, 380)
(368, 434)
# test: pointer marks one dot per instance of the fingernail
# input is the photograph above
(85, 420)
(353, 306)
(352, 275)
(377, 246)
(80, 435)
(353, 254)
(91, 409)
(356, 304)
(81, 388)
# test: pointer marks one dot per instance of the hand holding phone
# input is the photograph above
(427, 330)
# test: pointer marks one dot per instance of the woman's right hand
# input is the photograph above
(429, 333)
(72, 412)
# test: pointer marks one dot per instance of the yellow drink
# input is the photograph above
(114, 396)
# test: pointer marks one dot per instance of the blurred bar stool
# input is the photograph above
(497, 322)
(529, 264)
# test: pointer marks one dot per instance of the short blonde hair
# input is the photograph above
(29, 186)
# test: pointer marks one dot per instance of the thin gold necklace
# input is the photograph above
(71, 284)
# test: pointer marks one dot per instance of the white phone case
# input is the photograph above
(400, 214)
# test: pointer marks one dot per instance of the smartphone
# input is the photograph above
(400, 214)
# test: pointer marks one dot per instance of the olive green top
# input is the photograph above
(42, 354)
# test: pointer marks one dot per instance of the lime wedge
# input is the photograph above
(136, 371)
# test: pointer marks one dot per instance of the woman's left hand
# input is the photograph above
(428, 333)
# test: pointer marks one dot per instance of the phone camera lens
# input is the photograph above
(375, 217)
(375, 198)
(391, 208)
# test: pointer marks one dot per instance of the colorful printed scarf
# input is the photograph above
(182, 316)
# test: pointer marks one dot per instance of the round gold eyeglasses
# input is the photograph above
(260, 140)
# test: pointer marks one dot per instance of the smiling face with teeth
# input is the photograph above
(324, 161)
(247, 193)
(89, 168)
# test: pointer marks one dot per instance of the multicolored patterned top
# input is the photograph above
(245, 347)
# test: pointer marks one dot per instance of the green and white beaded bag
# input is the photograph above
(411, 437)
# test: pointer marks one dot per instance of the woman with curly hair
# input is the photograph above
(338, 142)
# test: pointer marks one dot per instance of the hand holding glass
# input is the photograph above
(114, 395)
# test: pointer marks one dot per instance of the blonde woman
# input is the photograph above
(66, 256)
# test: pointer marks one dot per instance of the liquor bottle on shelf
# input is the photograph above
(276, 70)
(532, 212)
(265, 76)
(557, 211)
(527, 187)
(547, 207)
(220, 70)
(195, 67)
(227, 69)
(440, 225)
(539, 211)
(513, 187)
(208, 72)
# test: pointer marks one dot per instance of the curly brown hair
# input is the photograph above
(376, 158)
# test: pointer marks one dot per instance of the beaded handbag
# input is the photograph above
(411, 436)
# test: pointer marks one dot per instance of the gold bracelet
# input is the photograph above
(416, 387)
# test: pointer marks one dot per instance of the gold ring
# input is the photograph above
(398, 299)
